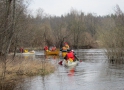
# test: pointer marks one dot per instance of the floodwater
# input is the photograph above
(93, 73)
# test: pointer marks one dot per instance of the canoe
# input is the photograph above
(56, 52)
(69, 63)
(31, 52)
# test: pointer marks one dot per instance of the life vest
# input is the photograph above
(26, 51)
(45, 48)
(70, 55)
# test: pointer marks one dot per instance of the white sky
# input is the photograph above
(62, 7)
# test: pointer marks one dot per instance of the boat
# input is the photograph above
(56, 52)
(31, 52)
(68, 63)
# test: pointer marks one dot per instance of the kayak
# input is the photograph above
(68, 63)
(56, 52)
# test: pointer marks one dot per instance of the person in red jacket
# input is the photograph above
(70, 55)
(46, 48)
(53, 48)
(21, 50)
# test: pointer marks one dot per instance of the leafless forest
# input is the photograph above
(18, 28)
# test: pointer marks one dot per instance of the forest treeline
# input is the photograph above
(18, 28)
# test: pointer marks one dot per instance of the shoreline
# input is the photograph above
(18, 69)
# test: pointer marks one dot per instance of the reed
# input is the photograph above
(20, 68)
(113, 42)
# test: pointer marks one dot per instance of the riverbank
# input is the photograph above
(20, 68)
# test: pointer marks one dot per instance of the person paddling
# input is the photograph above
(70, 55)
(64, 49)
(46, 48)
(66, 45)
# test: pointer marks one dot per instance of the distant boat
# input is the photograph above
(31, 52)
(56, 52)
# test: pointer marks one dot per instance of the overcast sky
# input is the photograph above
(62, 7)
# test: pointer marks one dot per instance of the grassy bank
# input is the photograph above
(20, 68)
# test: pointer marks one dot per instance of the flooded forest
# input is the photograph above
(97, 41)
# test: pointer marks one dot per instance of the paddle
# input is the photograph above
(78, 58)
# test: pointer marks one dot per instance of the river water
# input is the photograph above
(94, 72)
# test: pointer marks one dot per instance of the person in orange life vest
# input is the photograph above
(70, 56)
(66, 45)
(46, 48)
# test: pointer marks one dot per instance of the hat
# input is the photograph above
(65, 43)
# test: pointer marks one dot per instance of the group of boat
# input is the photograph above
(64, 62)
(56, 52)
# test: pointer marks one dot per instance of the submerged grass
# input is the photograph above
(20, 68)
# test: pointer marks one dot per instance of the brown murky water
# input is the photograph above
(93, 73)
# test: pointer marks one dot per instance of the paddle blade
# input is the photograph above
(60, 63)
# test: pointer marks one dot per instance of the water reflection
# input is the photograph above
(93, 73)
